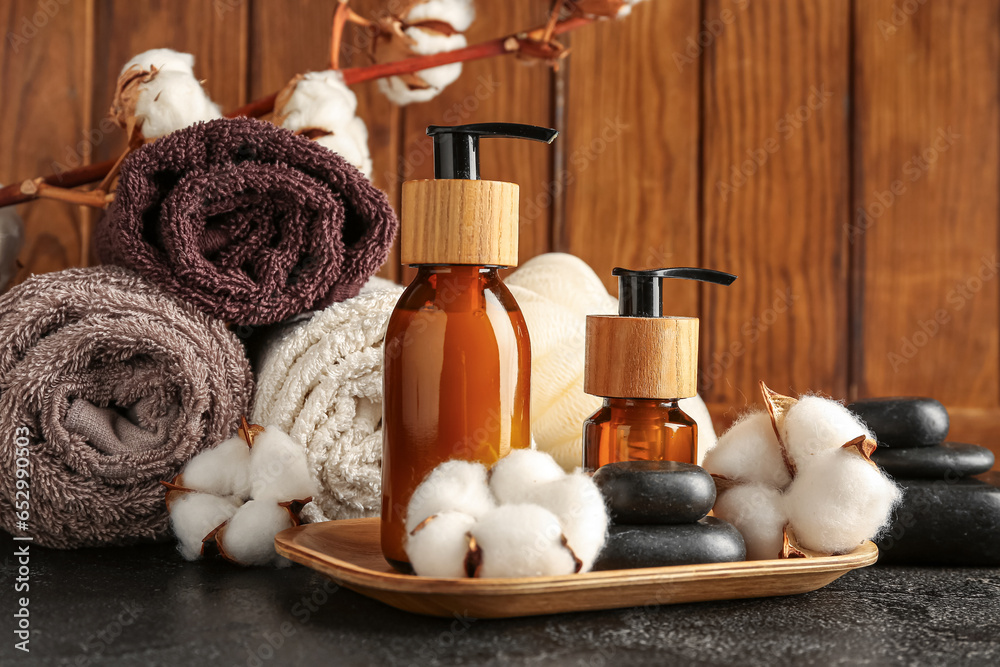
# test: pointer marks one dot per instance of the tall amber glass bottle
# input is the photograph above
(642, 363)
(457, 356)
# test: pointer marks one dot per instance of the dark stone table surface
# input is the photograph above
(147, 606)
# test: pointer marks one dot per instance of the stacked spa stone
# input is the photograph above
(946, 517)
(659, 517)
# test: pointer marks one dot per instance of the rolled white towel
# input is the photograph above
(320, 381)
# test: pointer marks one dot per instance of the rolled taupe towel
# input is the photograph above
(107, 386)
(247, 221)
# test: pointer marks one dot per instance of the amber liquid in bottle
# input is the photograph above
(626, 429)
(457, 370)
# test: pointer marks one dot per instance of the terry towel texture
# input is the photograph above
(247, 221)
(320, 381)
(111, 385)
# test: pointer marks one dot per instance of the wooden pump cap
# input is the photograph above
(453, 221)
(641, 357)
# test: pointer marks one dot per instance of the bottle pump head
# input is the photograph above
(642, 353)
(456, 218)
(640, 293)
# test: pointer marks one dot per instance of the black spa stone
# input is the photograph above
(948, 461)
(661, 492)
(710, 540)
(903, 421)
(944, 523)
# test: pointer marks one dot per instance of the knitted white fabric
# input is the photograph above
(321, 382)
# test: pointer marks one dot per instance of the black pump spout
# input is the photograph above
(640, 293)
(456, 148)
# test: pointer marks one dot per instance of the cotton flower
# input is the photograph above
(803, 467)
(11, 240)
(529, 519)
(240, 495)
(322, 107)
(428, 27)
(158, 93)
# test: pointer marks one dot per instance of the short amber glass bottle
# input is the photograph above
(642, 362)
(641, 429)
(457, 371)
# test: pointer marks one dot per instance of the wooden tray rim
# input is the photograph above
(350, 573)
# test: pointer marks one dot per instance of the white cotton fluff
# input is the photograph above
(816, 425)
(222, 470)
(173, 98)
(278, 468)
(520, 471)
(195, 515)
(839, 502)
(11, 240)
(248, 538)
(453, 486)
(439, 548)
(579, 505)
(321, 100)
(521, 541)
(458, 13)
(749, 452)
(758, 512)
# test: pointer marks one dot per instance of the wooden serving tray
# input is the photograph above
(348, 552)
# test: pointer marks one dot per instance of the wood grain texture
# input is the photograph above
(464, 222)
(641, 357)
(44, 124)
(631, 147)
(349, 553)
(775, 192)
(497, 89)
(926, 205)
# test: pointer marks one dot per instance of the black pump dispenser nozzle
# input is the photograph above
(640, 293)
(456, 148)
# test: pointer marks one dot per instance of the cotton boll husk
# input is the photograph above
(278, 468)
(171, 101)
(453, 486)
(457, 13)
(164, 60)
(838, 502)
(194, 515)
(817, 425)
(749, 452)
(11, 240)
(248, 538)
(222, 470)
(579, 505)
(696, 409)
(521, 541)
(758, 512)
(519, 472)
(439, 548)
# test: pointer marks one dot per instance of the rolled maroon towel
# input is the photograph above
(107, 385)
(247, 221)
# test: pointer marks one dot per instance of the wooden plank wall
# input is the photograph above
(841, 156)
